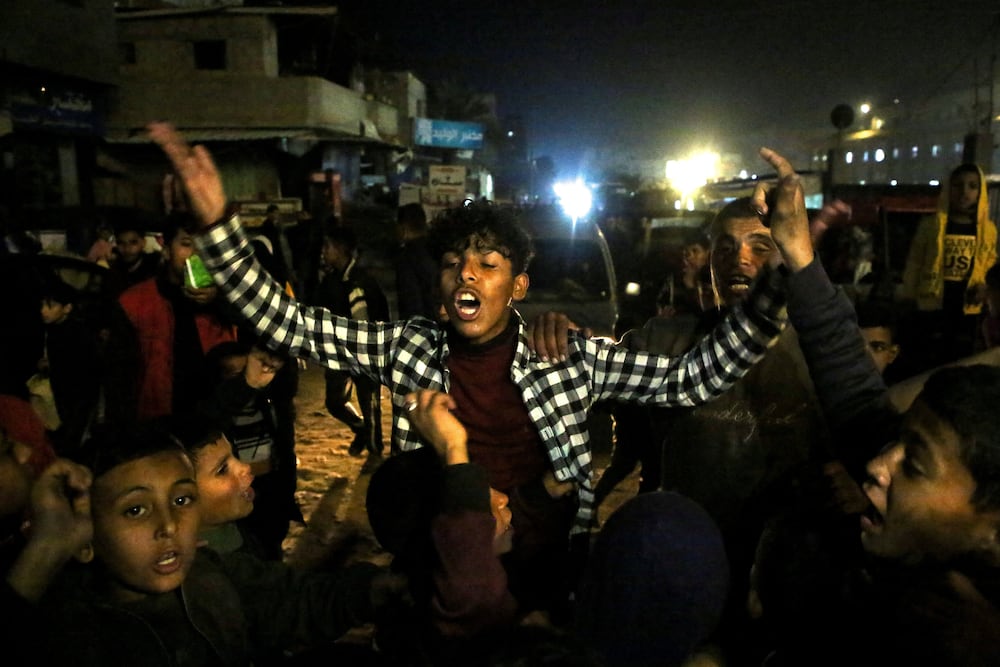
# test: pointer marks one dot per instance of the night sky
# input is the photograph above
(684, 74)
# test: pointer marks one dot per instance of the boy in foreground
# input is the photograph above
(150, 596)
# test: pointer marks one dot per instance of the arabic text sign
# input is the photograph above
(64, 110)
(447, 133)
(447, 179)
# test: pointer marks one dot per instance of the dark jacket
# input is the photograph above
(353, 293)
(417, 274)
(239, 604)
(444, 542)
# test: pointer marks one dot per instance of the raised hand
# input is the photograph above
(789, 220)
(430, 413)
(196, 171)
(60, 527)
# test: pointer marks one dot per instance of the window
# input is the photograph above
(126, 53)
(849, 157)
(879, 155)
(895, 153)
(935, 150)
(865, 157)
(210, 54)
(914, 152)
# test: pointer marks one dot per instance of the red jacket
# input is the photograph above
(153, 318)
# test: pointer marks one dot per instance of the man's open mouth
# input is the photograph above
(871, 519)
(739, 282)
(467, 304)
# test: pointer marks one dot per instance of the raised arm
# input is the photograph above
(849, 387)
(470, 591)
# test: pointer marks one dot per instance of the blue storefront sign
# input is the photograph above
(60, 110)
(447, 133)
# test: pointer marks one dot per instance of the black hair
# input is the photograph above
(111, 447)
(196, 431)
(128, 225)
(484, 226)
(877, 314)
(341, 236)
(737, 209)
(177, 222)
(412, 216)
(56, 290)
(965, 397)
(965, 168)
(697, 237)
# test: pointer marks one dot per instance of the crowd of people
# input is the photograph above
(793, 509)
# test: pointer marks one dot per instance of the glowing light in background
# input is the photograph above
(575, 198)
(689, 174)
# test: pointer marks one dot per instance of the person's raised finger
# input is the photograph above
(781, 166)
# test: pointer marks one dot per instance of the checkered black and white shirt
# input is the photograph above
(410, 355)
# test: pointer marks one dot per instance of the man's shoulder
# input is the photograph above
(666, 335)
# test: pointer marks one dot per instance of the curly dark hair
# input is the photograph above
(486, 227)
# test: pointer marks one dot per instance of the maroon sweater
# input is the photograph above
(502, 438)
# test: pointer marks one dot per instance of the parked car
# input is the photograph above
(656, 257)
(572, 271)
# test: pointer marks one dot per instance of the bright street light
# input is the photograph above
(575, 198)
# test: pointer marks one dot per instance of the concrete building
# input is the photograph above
(255, 85)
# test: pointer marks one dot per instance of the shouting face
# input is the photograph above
(478, 286)
(740, 249)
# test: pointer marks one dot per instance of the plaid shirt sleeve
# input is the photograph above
(710, 368)
(282, 323)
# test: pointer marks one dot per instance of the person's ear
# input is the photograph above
(85, 554)
(520, 286)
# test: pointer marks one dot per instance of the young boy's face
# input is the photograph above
(963, 193)
(224, 492)
(694, 256)
(503, 537)
(146, 524)
(177, 252)
(130, 245)
(881, 349)
(54, 312)
(478, 286)
(922, 494)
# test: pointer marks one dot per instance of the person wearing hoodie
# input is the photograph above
(946, 266)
